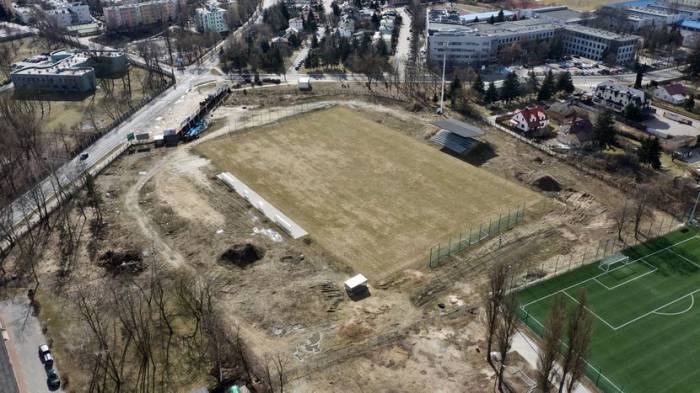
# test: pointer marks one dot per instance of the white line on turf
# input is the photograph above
(590, 311)
(692, 303)
(602, 274)
(627, 281)
(656, 309)
(684, 258)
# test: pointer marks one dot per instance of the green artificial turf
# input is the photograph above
(646, 325)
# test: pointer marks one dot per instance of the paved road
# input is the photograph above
(25, 338)
(7, 377)
(403, 46)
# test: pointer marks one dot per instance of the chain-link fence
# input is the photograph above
(475, 235)
(594, 374)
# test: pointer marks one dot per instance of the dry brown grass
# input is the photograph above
(375, 198)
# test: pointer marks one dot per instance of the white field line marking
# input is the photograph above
(601, 274)
(692, 303)
(629, 280)
(590, 311)
(685, 259)
(656, 309)
(589, 365)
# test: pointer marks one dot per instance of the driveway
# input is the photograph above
(25, 338)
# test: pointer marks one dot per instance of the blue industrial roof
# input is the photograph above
(691, 24)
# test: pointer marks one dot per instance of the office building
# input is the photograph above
(211, 18)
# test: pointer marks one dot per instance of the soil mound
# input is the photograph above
(546, 183)
(118, 262)
(242, 255)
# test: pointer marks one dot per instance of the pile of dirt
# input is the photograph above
(119, 262)
(546, 182)
(243, 255)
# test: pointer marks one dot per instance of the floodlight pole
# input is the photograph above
(695, 205)
(442, 90)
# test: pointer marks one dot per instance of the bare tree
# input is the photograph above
(578, 338)
(493, 296)
(504, 333)
(621, 219)
(551, 342)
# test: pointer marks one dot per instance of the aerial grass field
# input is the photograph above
(645, 329)
(375, 198)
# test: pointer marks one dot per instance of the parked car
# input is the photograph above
(3, 332)
(84, 156)
(43, 350)
(45, 356)
(53, 380)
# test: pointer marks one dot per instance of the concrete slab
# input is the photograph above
(276, 216)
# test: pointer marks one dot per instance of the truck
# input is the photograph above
(678, 118)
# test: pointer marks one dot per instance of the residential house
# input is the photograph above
(673, 93)
(211, 18)
(346, 26)
(296, 23)
(530, 119)
(617, 96)
(561, 112)
(577, 133)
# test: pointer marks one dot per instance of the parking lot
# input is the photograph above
(25, 337)
(663, 126)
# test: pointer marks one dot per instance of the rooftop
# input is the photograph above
(461, 17)
(691, 24)
(497, 29)
(600, 33)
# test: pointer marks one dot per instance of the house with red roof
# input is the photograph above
(673, 93)
(530, 119)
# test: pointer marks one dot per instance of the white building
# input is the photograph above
(61, 71)
(673, 93)
(601, 45)
(70, 14)
(296, 23)
(211, 18)
(530, 119)
(690, 30)
(346, 26)
(617, 96)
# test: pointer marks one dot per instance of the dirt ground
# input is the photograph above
(376, 199)
(419, 330)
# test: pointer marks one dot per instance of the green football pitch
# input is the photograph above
(646, 326)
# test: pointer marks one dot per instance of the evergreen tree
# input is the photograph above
(492, 20)
(633, 112)
(336, 9)
(511, 87)
(639, 78)
(604, 129)
(478, 84)
(455, 85)
(547, 88)
(649, 152)
(314, 42)
(532, 83)
(500, 17)
(476, 19)
(689, 103)
(491, 94)
(565, 83)
(693, 68)
(382, 48)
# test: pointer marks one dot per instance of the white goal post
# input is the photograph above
(612, 260)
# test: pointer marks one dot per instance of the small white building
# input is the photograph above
(530, 119)
(70, 14)
(211, 18)
(346, 26)
(304, 83)
(356, 284)
(296, 23)
(673, 93)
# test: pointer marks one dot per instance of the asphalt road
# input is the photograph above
(25, 338)
(7, 377)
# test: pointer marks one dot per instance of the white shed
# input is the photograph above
(304, 83)
(355, 283)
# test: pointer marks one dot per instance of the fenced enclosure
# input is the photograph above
(475, 235)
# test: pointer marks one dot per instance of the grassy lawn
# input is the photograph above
(374, 197)
(644, 331)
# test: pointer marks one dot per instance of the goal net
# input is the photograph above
(613, 260)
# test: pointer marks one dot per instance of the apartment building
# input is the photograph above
(132, 15)
(481, 43)
(211, 18)
(601, 45)
(70, 14)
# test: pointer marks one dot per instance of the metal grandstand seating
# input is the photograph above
(454, 142)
